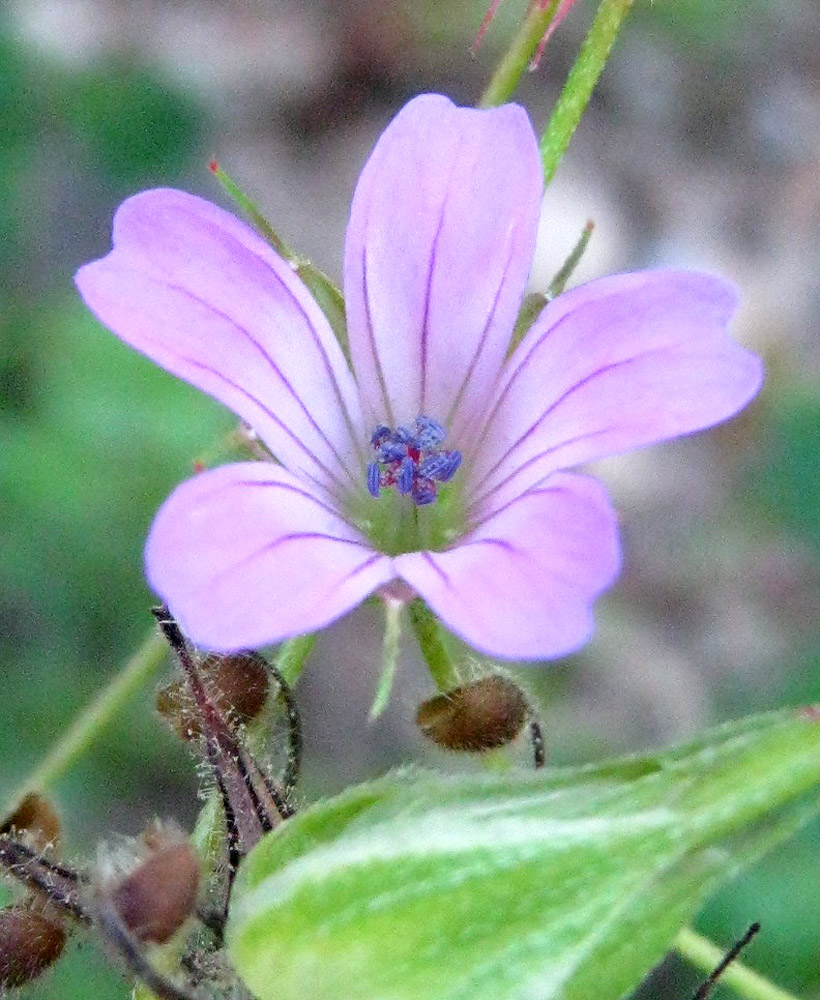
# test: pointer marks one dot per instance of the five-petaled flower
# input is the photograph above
(433, 458)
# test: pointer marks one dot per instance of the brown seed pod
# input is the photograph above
(159, 895)
(30, 942)
(34, 821)
(475, 717)
(238, 684)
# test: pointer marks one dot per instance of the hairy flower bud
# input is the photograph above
(30, 941)
(485, 714)
(34, 821)
(238, 685)
(159, 895)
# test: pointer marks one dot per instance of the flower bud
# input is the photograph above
(475, 717)
(34, 821)
(238, 685)
(157, 897)
(30, 941)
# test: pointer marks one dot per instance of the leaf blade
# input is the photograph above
(520, 887)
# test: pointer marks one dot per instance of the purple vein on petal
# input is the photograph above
(428, 558)
(285, 382)
(354, 437)
(530, 491)
(428, 294)
(289, 488)
(299, 536)
(454, 173)
(351, 430)
(371, 336)
(266, 410)
(480, 499)
(484, 334)
(604, 369)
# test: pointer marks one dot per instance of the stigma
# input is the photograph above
(411, 460)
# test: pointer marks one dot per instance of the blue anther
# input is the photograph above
(373, 474)
(441, 466)
(392, 451)
(424, 491)
(407, 473)
(429, 433)
(404, 435)
(434, 465)
(453, 462)
(380, 434)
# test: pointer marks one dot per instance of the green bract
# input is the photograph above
(570, 883)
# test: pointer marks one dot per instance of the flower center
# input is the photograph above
(410, 459)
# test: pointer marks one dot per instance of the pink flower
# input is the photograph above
(507, 548)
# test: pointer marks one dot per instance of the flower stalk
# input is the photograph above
(518, 56)
(95, 718)
(581, 82)
(390, 656)
(430, 635)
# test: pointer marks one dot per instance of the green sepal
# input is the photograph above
(568, 883)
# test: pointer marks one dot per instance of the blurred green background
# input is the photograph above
(701, 148)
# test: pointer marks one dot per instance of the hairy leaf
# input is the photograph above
(565, 884)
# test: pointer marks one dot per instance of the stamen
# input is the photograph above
(410, 459)
(380, 434)
(423, 492)
(373, 473)
(404, 480)
(441, 466)
(429, 433)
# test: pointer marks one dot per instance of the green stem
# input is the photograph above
(430, 636)
(559, 282)
(581, 82)
(517, 58)
(705, 956)
(292, 655)
(390, 656)
(95, 717)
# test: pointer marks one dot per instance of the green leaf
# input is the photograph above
(570, 883)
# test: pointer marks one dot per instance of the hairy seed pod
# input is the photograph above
(29, 942)
(475, 717)
(35, 821)
(238, 684)
(159, 895)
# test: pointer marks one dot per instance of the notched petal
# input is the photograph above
(613, 365)
(206, 298)
(522, 584)
(439, 246)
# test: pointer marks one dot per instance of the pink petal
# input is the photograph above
(205, 297)
(246, 555)
(440, 241)
(613, 365)
(521, 585)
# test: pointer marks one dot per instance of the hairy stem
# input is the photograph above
(517, 58)
(581, 82)
(431, 639)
